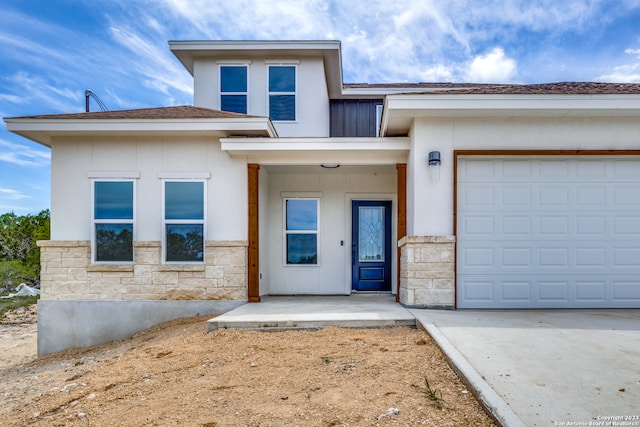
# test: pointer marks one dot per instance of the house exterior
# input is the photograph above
(283, 180)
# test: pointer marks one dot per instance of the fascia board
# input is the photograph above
(317, 150)
(42, 130)
(187, 51)
(513, 105)
(84, 125)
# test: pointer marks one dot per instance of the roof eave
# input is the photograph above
(401, 110)
(43, 131)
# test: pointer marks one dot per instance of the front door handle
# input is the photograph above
(353, 254)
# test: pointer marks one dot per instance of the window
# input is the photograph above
(378, 118)
(184, 221)
(113, 218)
(233, 88)
(301, 231)
(282, 92)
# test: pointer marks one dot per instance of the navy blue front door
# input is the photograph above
(371, 245)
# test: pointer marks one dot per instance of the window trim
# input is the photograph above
(286, 232)
(164, 221)
(93, 180)
(221, 94)
(294, 65)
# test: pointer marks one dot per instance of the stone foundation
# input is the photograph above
(67, 274)
(427, 271)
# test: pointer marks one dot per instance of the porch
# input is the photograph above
(314, 312)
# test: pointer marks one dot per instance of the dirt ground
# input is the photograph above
(178, 374)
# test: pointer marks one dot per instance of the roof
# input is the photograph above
(182, 120)
(560, 88)
(565, 99)
(178, 112)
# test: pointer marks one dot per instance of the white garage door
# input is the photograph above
(548, 232)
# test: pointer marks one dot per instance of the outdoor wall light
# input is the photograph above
(434, 166)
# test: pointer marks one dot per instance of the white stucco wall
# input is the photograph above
(335, 191)
(430, 205)
(74, 160)
(312, 99)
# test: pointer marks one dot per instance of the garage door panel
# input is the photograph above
(516, 196)
(512, 291)
(626, 291)
(477, 258)
(519, 258)
(516, 170)
(626, 225)
(553, 291)
(557, 258)
(626, 257)
(626, 196)
(594, 258)
(478, 226)
(553, 196)
(479, 197)
(590, 290)
(591, 225)
(588, 169)
(517, 226)
(548, 233)
(591, 195)
(553, 225)
(553, 170)
(479, 290)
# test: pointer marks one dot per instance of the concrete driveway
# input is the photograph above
(552, 367)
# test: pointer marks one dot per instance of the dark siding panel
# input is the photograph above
(352, 118)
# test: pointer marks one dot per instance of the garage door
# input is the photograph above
(548, 232)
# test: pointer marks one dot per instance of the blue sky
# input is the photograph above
(51, 51)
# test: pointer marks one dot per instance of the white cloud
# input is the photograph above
(34, 89)
(626, 73)
(493, 67)
(22, 155)
(11, 194)
(622, 74)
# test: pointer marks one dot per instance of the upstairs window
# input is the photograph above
(233, 88)
(378, 118)
(301, 231)
(113, 218)
(184, 221)
(282, 92)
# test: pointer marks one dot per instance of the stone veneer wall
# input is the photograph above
(427, 271)
(67, 273)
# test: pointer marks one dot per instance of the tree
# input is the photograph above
(19, 252)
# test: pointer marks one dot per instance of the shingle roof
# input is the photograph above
(562, 88)
(178, 112)
(437, 85)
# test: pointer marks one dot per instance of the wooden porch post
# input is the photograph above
(402, 215)
(253, 264)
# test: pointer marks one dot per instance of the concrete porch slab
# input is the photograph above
(313, 312)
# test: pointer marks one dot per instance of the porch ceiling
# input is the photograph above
(316, 151)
